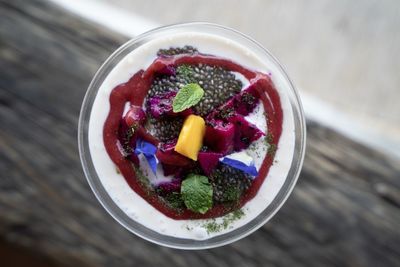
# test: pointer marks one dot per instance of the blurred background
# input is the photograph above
(342, 53)
(343, 56)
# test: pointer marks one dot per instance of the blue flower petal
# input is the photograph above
(152, 160)
(250, 169)
(149, 151)
(145, 147)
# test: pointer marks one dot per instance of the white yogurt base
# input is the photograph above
(133, 204)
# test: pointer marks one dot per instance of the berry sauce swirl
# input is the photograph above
(135, 91)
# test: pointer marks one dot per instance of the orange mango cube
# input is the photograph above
(191, 136)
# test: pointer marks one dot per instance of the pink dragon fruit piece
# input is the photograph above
(167, 70)
(169, 186)
(246, 101)
(219, 136)
(161, 105)
(171, 169)
(243, 103)
(208, 161)
(167, 155)
(185, 113)
(245, 132)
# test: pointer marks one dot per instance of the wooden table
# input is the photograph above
(345, 210)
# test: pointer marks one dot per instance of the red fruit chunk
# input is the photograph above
(167, 155)
(242, 103)
(171, 169)
(186, 112)
(245, 132)
(161, 106)
(142, 133)
(167, 70)
(134, 158)
(127, 137)
(208, 161)
(135, 115)
(219, 136)
(165, 188)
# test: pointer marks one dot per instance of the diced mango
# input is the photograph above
(191, 136)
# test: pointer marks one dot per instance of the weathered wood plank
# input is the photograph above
(343, 212)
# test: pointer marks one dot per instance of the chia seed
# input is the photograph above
(187, 49)
(224, 179)
(166, 129)
(225, 113)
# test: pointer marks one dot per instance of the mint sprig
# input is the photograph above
(197, 193)
(188, 96)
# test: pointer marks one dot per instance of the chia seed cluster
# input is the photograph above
(166, 129)
(187, 49)
(227, 182)
(219, 84)
(167, 83)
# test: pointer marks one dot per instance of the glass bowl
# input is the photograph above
(141, 230)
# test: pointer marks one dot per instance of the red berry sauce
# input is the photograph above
(135, 91)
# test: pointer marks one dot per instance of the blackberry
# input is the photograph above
(166, 129)
(229, 183)
(187, 49)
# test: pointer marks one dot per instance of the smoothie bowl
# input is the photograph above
(191, 136)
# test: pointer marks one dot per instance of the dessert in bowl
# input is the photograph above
(191, 135)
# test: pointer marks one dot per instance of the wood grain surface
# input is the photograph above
(345, 210)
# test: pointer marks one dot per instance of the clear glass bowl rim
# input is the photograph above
(139, 229)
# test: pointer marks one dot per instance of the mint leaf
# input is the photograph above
(197, 193)
(188, 96)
